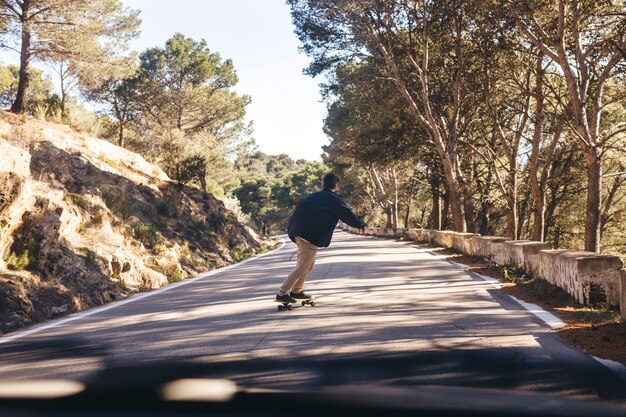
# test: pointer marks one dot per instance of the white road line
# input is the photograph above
(115, 304)
(548, 318)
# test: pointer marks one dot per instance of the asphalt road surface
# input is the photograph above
(417, 318)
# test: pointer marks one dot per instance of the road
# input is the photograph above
(376, 298)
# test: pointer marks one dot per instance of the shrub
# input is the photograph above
(175, 276)
(91, 256)
(146, 234)
(117, 203)
(159, 248)
(239, 254)
(166, 208)
(18, 263)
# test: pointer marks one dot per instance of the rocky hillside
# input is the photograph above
(84, 222)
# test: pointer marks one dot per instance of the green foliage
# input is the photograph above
(116, 201)
(191, 168)
(183, 101)
(239, 254)
(85, 32)
(91, 256)
(85, 121)
(41, 102)
(159, 248)
(272, 186)
(146, 233)
(166, 207)
(18, 262)
(175, 276)
(511, 271)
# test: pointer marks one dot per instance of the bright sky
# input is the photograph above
(258, 36)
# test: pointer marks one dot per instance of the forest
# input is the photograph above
(497, 117)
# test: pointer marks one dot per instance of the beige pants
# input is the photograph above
(304, 264)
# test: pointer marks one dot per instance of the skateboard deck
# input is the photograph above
(288, 306)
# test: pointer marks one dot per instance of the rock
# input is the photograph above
(59, 310)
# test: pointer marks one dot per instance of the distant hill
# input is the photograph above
(84, 222)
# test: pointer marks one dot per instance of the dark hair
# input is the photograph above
(330, 180)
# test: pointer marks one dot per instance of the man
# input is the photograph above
(311, 226)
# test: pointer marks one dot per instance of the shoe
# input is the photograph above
(300, 296)
(285, 298)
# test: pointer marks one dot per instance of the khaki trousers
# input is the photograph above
(304, 264)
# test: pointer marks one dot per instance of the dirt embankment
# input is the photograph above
(84, 222)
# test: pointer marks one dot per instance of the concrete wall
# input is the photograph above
(588, 277)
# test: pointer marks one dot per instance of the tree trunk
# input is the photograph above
(455, 197)
(388, 214)
(594, 189)
(523, 219)
(406, 216)
(120, 135)
(19, 105)
(63, 92)
(435, 215)
(533, 167)
(445, 212)
(512, 219)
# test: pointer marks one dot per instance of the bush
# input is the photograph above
(91, 256)
(83, 120)
(117, 202)
(146, 234)
(239, 254)
(18, 263)
(175, 277)
(159, 248)
(166, 208)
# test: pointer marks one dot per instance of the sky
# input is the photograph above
(259, 37)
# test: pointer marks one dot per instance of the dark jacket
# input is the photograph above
(316, 217)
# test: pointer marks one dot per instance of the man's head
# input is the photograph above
(330, 181)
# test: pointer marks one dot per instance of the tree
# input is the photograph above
(76, 30)
(408, 40)
(588, 43)
(186, 104)
(185, 86)
(40, 95)
(121, 99)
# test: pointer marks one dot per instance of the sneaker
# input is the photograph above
(284, 298)
(300, 295)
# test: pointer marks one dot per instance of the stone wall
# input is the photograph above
(589, 277)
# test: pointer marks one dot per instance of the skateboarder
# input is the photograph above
(311, 226)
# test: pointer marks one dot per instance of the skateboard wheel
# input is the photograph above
(303, 303)
(280, 308)
(312, 303)
(289, 307)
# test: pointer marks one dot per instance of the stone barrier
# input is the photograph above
(463, 242)
(587, 276)
(484, 246)
(443, 238)
(525, 254)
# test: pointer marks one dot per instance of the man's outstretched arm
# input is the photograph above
(347, 215)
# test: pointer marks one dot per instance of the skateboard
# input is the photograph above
(288, 306)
